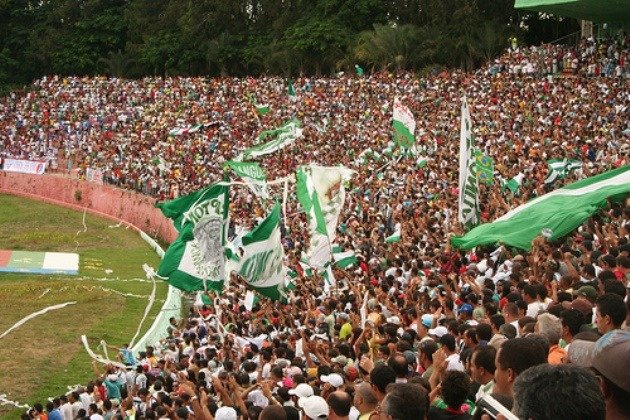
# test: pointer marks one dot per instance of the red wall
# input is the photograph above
(135, 209)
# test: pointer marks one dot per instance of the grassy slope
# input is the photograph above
(45, 355)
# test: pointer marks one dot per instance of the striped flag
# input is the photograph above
(343, 259)
(560, 168)
(557, 213)
(468, 214)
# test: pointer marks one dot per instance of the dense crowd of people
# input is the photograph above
(416, 329)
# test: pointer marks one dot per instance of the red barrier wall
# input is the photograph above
(130, 207)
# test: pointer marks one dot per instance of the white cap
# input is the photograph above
(334, 379)
(438, 331)
(225, 413)
(302, 391)
(315, 407)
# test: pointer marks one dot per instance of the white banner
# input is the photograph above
(24, 166)
(94, 175)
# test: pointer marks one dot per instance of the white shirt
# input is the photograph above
(454, 363)
(66, 411)
(533, 309)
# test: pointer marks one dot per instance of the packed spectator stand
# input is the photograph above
(449, 334)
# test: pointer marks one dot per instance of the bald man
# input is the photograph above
(273, 412)
(340, 404)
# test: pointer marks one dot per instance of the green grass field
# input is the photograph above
(45, 355)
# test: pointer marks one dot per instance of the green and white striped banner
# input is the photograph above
(468, 214)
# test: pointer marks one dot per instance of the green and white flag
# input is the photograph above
(343, 259)
(321, 192)
(195, 261)
(468, 214)
(291, 89)
(560, 168)
(513, 184)
(422, 161)
(404, 125)
(395, 237)
(253, 175)
(559, 212)
(260, 259)
(280, 138)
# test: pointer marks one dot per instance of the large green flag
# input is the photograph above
(404, 125)
(468, 209)
(561, 211)
(560, 168)
(195, 261)
(321, 192)
(253, 175)
(485, 167)
(280, 138)
(260, 257)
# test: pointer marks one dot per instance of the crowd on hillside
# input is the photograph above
(416, 328)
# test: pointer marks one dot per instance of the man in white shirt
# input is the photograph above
(66, 408)
(452, 358)
(530, 296)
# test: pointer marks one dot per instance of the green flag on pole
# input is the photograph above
(261, 262)
(195, 261)
(321, 193)
(404, 125)
(253, 175)
(560, 211)
(291, 90)
(468, 209)
(280, 138)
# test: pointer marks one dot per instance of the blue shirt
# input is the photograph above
(55, 415)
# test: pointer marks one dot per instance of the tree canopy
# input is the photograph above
(135, 38)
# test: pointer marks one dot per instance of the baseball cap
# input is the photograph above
(302, 391)
(466, 308)
(587, 291)
(225, 413)
(438, 331)
(334, 379)
(612, 360)
(341, 359)
(315, 407)
(427, 320)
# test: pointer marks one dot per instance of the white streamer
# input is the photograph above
(5, 401)
(81, 231)
(44, 293)
(98, 357)
(150, 272)
(35, 314)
